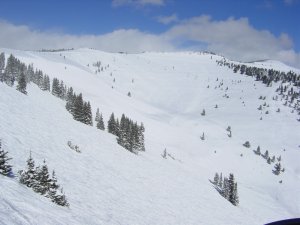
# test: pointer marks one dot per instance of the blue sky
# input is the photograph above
(168, 24)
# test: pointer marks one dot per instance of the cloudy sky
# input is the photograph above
(241, 30)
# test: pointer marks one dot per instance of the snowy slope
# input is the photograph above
(105, 184)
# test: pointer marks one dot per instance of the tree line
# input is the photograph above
(227, 187)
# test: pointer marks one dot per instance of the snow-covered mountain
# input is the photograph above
(106, 184)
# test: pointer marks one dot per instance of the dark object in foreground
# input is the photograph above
(286, 222)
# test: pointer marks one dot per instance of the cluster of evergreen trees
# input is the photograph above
(15, 70)
(277, 168)
(80, 109)
(267, 76)
(227, 187)
(99, 120)
(5, 167)
(129, 134)
(38, 178)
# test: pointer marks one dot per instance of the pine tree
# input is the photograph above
(78, 113)
(164, 155)
(70, 100)
(5, 168)
(277, 169)
(60, 199)
(55, 87)
(10, 72)
(257, 152)
(216, 179)
(27, 176)
(266, 155)
(53, 187)
(225, 189)
(21, 87)
(111, 125)
(220, 183)
(2, 66)
(100, 123)
(87, 111)
(232, 187)
(97, 117)
(42, 179)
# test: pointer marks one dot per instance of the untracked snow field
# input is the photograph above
(106, 184)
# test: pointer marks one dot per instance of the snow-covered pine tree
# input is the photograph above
(220, 183)
(123, 137)
(5, 168)
(141, 138)
(10, 72)
(164, 155)
(216, 179)
(203, 112)
(100, 123)
(78, 113)
(62, 90)
(266, 155)
(225, 192)
(89, 115)
(232, 187)
(60, 199)
(277, 168)
(55, 87)
(71, 96)
(2, 65)
(53, 187)
(97, 117)
(21, 87)
(111, 125)
(27, 176)
(42, 179)
(257, 152)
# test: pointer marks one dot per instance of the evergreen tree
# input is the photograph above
(97, 117)
(141, 138)
(164, 155)
(5, 168)
(53, 187)
(2, 66)
(111, 125)
(55, 87)
(100, 123)
(220, 183)
(266, 155)
(78, 113)
(27, 177)
(232, 187)
(71, 96)
(216, 179)
(42, 180)
(225, 192)
(87, 114)
(21, 87)
(60, 199)
(277, 169)
(257, 152)
(11, 71)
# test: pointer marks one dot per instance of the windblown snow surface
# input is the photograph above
(106, 184)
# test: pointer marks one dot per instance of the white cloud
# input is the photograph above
(131, 40)
(117, 3)
(233, 38)
(168, 19)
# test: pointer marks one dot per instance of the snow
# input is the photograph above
(106, 184)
